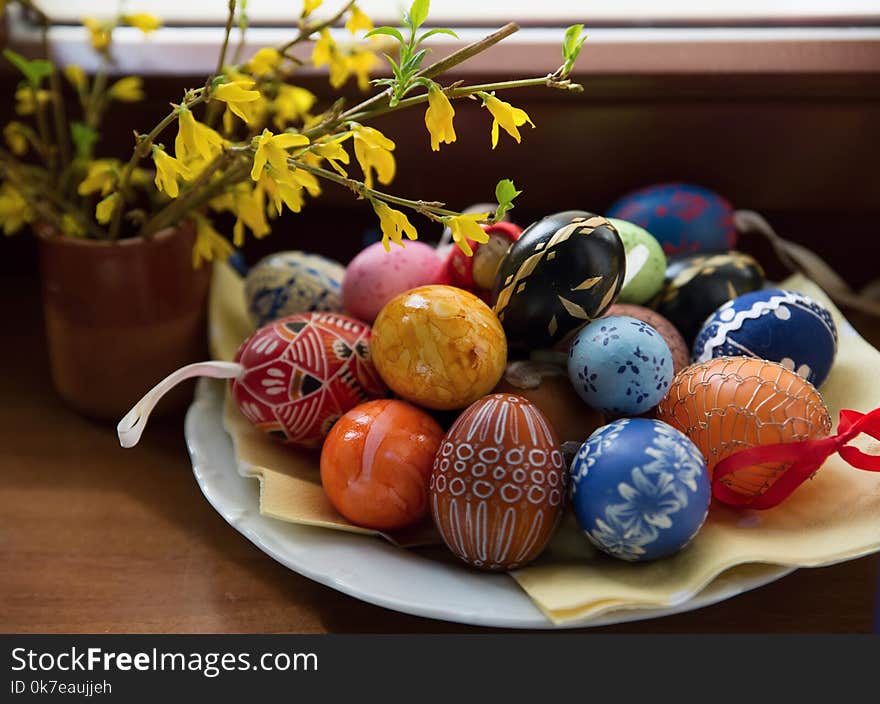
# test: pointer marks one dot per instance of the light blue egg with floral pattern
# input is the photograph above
(640, 489)
(620, 365)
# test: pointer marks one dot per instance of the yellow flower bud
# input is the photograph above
(143, 21)
(127, 90)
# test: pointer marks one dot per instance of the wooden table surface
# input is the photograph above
(97, 539)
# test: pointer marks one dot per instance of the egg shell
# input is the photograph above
(696, 286)
(645, 263)
(728, 404)
(782, 326)
(671, 336)
(683, 217)
(620, 365)
(286, 283)
(498, 484)
(375, 276)
(439, 347)
(640, 489)
(564, 271)
(476, 273)
(376, 463)
(548, 387)
(302, 372)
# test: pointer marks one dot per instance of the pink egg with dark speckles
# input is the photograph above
(375, 276)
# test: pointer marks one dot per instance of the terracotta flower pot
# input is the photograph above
(120, 316)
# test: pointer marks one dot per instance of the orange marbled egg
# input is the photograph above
(498, 483)
(438, 346)
(732, 403)
(376, 461)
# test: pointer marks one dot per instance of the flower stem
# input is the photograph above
(307, 31)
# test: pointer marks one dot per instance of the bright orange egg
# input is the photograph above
(376, 463)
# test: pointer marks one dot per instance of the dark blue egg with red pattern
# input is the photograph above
(684, 218)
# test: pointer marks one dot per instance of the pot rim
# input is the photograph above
(48, 234)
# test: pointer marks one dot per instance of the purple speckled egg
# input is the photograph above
(375, 276)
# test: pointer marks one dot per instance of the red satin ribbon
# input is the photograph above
(806, 458)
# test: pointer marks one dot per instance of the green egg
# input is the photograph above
(645, 263)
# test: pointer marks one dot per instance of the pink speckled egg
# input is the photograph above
(375, 276)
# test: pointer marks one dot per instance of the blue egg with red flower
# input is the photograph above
(684, 218)
(640, 489)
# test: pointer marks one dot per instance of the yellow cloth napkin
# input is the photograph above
(834, 517)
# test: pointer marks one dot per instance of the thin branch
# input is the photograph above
(230, 19)
(309, 30)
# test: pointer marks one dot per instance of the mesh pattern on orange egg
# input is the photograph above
(732, 403)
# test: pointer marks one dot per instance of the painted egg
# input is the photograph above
(498, 483)
(477, 273)
(301, 373)
(375, 276)
(684, 218)
(620, 365)
(376, 463)
(439, 346)
(640, 489)
(672, 337)
(696, 286)
(547, 386)
(645, 263)
(732, 403)
(564, 271)
(287, 283)
(782, 326)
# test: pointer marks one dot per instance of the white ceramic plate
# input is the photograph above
(371, 569)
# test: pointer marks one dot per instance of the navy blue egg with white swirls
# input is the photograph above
(620, 365)
(640, 489)
(781, 326)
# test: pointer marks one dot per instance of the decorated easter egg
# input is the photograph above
(439, 346)
(672, 337)
(729, 404)
(286, 283)
(498, 483)
(375, 276)
(547, 386)
(376, 463)
(782, 326)
(698, 285)
(639, 489)
(645, 263)
(477, 273)
(564, 271)
(684, 218)
(301, 373)
(620, 365)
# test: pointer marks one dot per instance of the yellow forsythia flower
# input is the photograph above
(282, 193)
(394, 225)
(100, 33)
(105, 208)
(168, 169)
(438, 118)
(127, 90)
(265, 61)
(358, 21)
(300, 178)
(333, 152)
(250, 210)
(209, 244)
(77, 77)
(361, 62)
(373, 152)
(272, 148)
(26, 104)
(505, 115)
(465, 227)
(309, 6)
(143, 21)
(101, 175)
(238, 97)
(15, 134)
(292, 103)
(326, 52)
(71, 227)
(15, 212)
(194, 139)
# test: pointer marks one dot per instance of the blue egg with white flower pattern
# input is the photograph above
(640, 489)
(286, 283)
(781, 326)
(620, 365)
